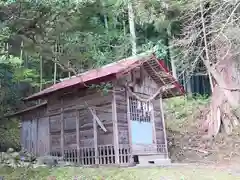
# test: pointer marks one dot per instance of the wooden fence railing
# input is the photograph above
(87, 156)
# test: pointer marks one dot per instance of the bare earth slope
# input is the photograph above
(188, 140)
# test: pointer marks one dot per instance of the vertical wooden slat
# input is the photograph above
(88, 156)
(163, 123)
(129, 124)
(115, 127)
(112, 151)
(108, 157)
(100, 154)
(77, 136)
(81, 156)
(103, 155)
(62, 129)
(95, 138)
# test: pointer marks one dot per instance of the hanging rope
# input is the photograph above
(159, 91)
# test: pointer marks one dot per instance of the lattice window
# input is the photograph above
(139, 110)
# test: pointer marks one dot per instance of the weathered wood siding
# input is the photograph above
(26, 135)
(145, 88)
(158, 122)
(73, 107)
(147, 85)
(121, 103)
(43, 136)
(30, 129)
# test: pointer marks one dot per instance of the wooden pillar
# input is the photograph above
(164, 127)
(49, 137)
(115, 127)
(95, 137)
(37, 146)
(129, 123)
(77, 136)
(62, 129)
(153, 122)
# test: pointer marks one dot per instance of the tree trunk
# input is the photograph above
(41, 73)
(132, 27)
(226, 94)
(55, 65)
(173, 65)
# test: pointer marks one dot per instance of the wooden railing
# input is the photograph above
(87, 156)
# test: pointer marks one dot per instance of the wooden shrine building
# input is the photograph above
(82, 124)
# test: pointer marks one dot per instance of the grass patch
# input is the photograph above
(77, 173)
(181, 112)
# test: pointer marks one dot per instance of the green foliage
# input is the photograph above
(161, 50)
(9, 135)
(103, 87)
(81, 34)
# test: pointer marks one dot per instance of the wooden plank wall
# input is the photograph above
(145, 88)
(72, 105)
(30, 131)
(121, 103)
(158, 122)
(26, 135)
(43, 136)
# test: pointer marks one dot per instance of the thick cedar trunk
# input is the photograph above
(226, 95)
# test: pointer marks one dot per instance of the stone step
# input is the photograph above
(153, 160)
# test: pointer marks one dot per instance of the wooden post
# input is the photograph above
(164, 128)
(115, 127)
(129, 123)
(95, 139)
(62, 129)
(37, 147)
(49, 137)
(77, 136)
(153, 123)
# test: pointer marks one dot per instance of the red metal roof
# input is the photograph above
(103, 74)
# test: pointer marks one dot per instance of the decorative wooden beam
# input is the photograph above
(95, 139)
(91, 109)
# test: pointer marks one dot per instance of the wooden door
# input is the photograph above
(43, 136)
(34, 136)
